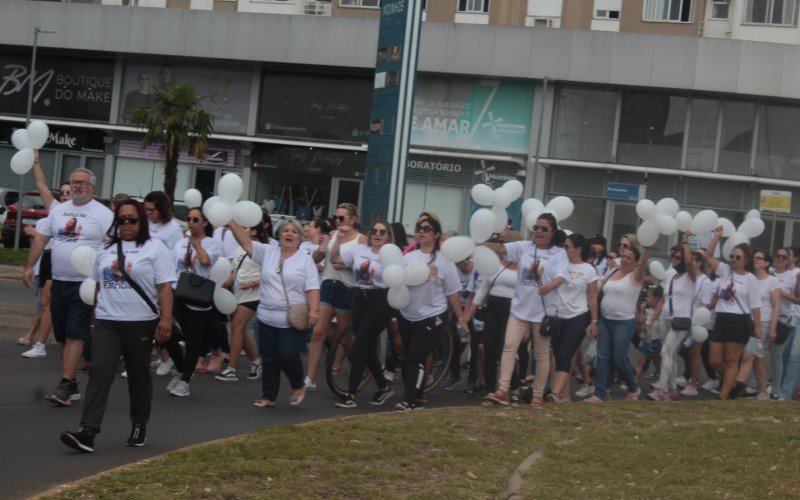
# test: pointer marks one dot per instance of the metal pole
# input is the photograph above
(538, 139)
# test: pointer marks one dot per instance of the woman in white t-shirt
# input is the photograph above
(288, 277)
(423, 322)
(162, 225)
(313, 235)
(134, 273)
(577, 306)
(788, 283)
(704, 297)
(371, 312)
(678, 301)
(738, 306)
(542, 269)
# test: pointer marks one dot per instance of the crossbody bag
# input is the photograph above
(680, 323)
(192, 289)
(551, 325)
(297, 315)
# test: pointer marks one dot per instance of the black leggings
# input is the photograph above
(567, 342)
(197, 328)
(494, 337)
(370, 316)
(420, 338)
(710, 371)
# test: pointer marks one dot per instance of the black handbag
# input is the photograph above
(551, 325)
(679, 324)
(782, 331)
(194, 290)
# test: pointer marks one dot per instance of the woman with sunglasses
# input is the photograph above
(678, 302)
(162, 226)
(738, 304)
(626, 242)
(195, 254)
(126, 322)
(423, 322)
(788, 284)
(337, 283)
(371, 312)
(288, 276)
(543, 267)
(617, 324)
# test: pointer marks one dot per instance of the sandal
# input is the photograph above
(498, 397)
(23, 341)
(263, 403)
(296, 400)
(336, 369)
(536, 403)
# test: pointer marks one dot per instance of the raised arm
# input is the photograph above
(713, 261)
(242, 237)
(640, 267)
(688, 259)
(41, 182)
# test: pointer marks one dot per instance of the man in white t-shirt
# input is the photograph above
(81, 221)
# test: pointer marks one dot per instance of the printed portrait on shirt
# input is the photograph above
(112, 274)
(71, 229)
(363, 273)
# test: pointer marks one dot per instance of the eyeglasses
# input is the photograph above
(542, 229)
(340, 218)
(279, 270)
(80, 183)
(735, 257)
(782, 256)
(624, 245)
(127, 219)
(379, 232)
(194, 219)
(423, 229)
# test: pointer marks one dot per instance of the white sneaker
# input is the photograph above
(681, 381)
(389, 376)
(623, 387)
(37, 351)
(124, 374)
(164, 368)
(173, 382)
(710, 385)
(310, 386)
(763, 396)
(181, 389)
(585, 390)
(750, 391)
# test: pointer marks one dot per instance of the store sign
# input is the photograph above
(217, 157)
(486, 115)
(311, 161)
(65, 87)
(778, 202)
(224, 92)
(64, 138)
(621, 191)
(462, 172)
(322, 107)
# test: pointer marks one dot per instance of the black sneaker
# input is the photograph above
(81, 440)
(138, 435)
(381, 395)
(347, 401)
(65, 393)
(737, 390)
(406, 406)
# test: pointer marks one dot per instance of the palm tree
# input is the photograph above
(177, 122)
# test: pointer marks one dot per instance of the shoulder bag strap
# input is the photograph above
(671, 313)
(133, 284)
(283, 284)
(539, 282)
(733, 293)
(498, 275)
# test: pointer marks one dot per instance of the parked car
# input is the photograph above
(8, 197)
(33, 209)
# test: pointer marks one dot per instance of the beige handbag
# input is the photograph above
(298, 313)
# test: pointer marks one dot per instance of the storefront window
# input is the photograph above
(588, 217)
(702, 134)
(737, 137)
(626, 221)
(778, 151)
(445, 201)
(651, 129)
(137, 177)
(295, 194)
(584, 127)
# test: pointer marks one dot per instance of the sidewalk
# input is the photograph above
(11, 272)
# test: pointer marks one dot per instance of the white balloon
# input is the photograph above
(38, 134)
(562, 206)
(209, 203)
(394, 275)
(700, 316)
(648, 233)
(219, 214)
(390, 254)
(531, 204)
(193, 198)
(514, 187)
(247, 213)
(500, 219)
(20, 139)
(752, 228)
(667, 206)
(457, 248)
(699, 334)
(82, 259)
(87, 291)
(481, 225)
(532, 216)
(646, 209)
(417, 273)
(667, 224)
(501, 197)
(22, 161)
(398, 297)
(704, 221)
(657, 270)
(753, 214)
(728, 228)
(482, 195)
(224, 300)
(220, 271)
(229, 187)
(487, 263)
(684, 220)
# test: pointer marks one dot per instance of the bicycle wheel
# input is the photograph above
(337, 364)
(438, 362)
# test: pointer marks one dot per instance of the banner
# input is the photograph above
(311, 161)
(214, 156)
(64, 138)
(65, 87)
(465, 172)
(777, 202)
(225, 93)
(485, 115)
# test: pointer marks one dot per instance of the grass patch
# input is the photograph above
(9, 256)
(689, 450)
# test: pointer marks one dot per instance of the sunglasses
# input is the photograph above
(65, 193)
(542, 229)
(782, 256)
(624, 245)
(340, 218)
(758, 257)
(676, 257)
(423, 229)
(735, 257)
(379, 232)
(129, 219)
(194, 219)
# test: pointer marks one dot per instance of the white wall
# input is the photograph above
(271, 6)
(760, 33)
(545, 8)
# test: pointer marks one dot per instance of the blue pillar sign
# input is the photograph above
(392, 107)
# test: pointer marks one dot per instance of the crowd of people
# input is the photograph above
(577, 304)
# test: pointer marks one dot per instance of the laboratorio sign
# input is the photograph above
(434, 166)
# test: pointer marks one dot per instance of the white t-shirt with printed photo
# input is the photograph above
(214, 252)
(765, 289)
(787, 281)
(527, 303)
(147, 265)
(572, 297)
(732, 287)
(70, 226)
(366, 266)
(169, 233)
(430, 298)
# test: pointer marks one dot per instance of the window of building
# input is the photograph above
(584, 128)
(651, 128)
(702, 134)
(481, 6)
(779, 12)
(360, 3)
(720, 9)
(445, 201)
(778, 151)
(668, 10)
(606, 14)
(738, 121)
(137, 177)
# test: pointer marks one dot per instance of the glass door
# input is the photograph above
(205, 181)
(345, 191)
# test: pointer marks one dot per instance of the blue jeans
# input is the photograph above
(280, 351)
(613, 339)
(792, 368)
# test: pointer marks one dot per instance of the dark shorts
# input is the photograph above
(733, 328)
(336, 295)
(650, 348)
(45, 268)
(252, 305)
(71, 316)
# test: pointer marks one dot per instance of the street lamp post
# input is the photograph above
(20, 204)
(530, 181)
